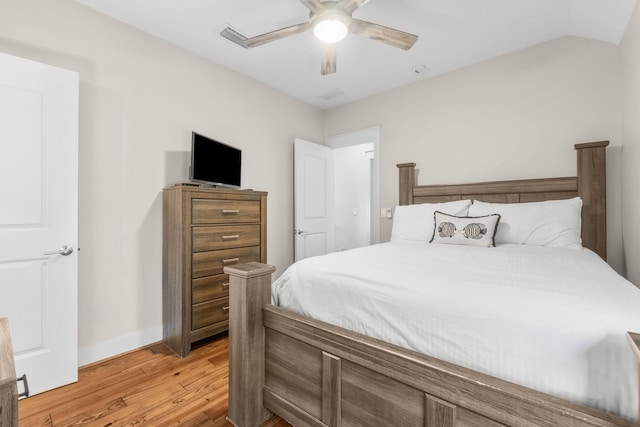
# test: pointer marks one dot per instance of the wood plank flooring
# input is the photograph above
(146, 387)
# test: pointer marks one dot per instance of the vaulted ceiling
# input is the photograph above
(451, 34)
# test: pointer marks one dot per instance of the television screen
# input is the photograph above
(214, 163)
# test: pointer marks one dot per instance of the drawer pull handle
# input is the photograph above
(225, 308)
(225, 285)
(231, 237)
(230, 261)
(230, 211)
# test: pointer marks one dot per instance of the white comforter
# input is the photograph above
(552, 319)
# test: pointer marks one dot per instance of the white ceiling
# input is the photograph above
(452, 34)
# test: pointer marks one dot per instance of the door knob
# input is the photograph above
(64, 251)
(298, 232)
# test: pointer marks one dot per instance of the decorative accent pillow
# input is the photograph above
(465, 230)
(550, 223)
(415, 222)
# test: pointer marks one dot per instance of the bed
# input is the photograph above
(314, 373)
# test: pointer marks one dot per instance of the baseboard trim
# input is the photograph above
(104, 350)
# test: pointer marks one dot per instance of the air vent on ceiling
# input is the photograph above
(332, 94)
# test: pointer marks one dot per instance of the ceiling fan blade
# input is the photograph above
(328, 58)
(350, 6)
(275, 35)
(314, 6)
(384, 34)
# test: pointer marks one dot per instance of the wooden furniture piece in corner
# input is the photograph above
(8, 382)
(317, 374)
(204, 230)
(634, 341)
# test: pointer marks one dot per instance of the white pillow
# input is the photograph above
(549, 223)
(465, 230)
(415, 222)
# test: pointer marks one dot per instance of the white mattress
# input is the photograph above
(552, 319)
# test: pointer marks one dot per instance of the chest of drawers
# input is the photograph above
(204, 230)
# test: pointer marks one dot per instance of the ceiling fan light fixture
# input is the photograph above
(331, 27)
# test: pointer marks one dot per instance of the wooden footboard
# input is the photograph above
(315, 374)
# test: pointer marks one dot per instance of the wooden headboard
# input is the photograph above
(590, 185)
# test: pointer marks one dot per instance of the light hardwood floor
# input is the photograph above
(145, 387)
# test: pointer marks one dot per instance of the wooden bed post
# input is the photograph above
(592, 188)
(407, 179)
(249, 291)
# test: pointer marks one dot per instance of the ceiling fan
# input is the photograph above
(330, 21)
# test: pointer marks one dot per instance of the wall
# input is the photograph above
(140, 98)
(630, 58)
(516, 116)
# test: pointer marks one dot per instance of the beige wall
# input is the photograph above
(630, 58)
(140, 98)
(516, 116)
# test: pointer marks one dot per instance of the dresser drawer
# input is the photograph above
(210, 211)
(213, 262)
(210, 287)
(225, 237)
(209, 312)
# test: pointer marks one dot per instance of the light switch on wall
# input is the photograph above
(386, 213)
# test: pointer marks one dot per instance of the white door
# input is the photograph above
(313, 199)
(38, 215)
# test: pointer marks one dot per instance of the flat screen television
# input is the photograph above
(214, 163)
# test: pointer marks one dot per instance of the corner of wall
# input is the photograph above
(105, 349)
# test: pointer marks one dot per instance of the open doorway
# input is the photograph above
(357, 188)
(352, 196)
